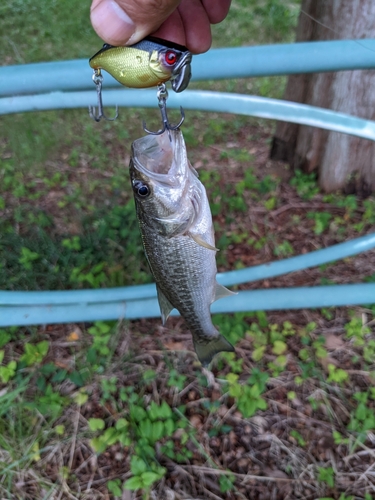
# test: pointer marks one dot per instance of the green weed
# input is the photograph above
(326, 475)
(305, 184)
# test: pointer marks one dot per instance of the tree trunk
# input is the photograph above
(343, 162)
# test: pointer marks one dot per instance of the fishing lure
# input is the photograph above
(148, 63)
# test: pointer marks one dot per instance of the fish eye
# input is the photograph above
(141, 189)
(170, 57)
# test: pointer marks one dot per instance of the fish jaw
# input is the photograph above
(162, 165)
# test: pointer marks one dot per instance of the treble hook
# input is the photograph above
(97, 78)
(162, 96)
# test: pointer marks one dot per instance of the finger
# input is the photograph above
(128, 21)
(172, 29)
(217, 10)
(196, 24)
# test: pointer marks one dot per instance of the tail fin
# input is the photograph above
(206, 352)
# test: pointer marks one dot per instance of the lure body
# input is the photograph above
(148, 63)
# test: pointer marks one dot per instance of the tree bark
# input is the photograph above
(343, 162)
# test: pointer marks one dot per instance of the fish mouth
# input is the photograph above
(182, 73)
(154, 156)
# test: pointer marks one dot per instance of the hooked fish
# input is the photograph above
(178, 237)
(150, 62)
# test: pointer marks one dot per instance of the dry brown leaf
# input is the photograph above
(333, 342)
(175, 346)
(74, 335)
(327, 361)
(196, 421)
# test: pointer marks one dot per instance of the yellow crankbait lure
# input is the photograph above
(148, 63)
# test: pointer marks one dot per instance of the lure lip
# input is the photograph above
(181, 74)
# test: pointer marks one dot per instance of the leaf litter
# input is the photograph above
(308, 433)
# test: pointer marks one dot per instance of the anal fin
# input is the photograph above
(164, 304)
(221, 292)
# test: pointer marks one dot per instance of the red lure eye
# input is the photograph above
(170, 57)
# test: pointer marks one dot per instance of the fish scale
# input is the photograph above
(182, 272)
(177, 235)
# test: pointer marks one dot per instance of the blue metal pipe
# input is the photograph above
(254, 300)
(200, 100)
(21, 308)
(231, 278)
(240, 62)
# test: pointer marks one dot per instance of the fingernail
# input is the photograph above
(112, 23)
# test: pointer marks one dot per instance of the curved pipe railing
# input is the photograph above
(24, 308)
(217, 64)
(257, 300)
(223, 102)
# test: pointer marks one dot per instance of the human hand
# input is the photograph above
(186, 22)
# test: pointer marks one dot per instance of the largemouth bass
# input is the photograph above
(150, 62)
(178, 238)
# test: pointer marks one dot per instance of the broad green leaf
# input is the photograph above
(262, 404)
(281, 361)
(232, 378)
(165, 410)
(258, 353)
(235, 390)
(157, 430)
(137, 413)
(98, 445)
(43, 347)
(134, 483)
(137, 465)
(154, 411)
(110, 436)
(279, 347)
(96, 424)
(148, 478)
(145, 429)
(169, 427)
(114, 487)
(80, 398)
(12, 365)
(121, 424)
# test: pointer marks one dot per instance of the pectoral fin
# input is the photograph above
(164, 304)
(201, 242)
(221, 292)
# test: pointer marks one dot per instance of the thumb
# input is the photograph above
(121, 22)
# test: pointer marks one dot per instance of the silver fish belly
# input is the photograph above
(178, 238)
